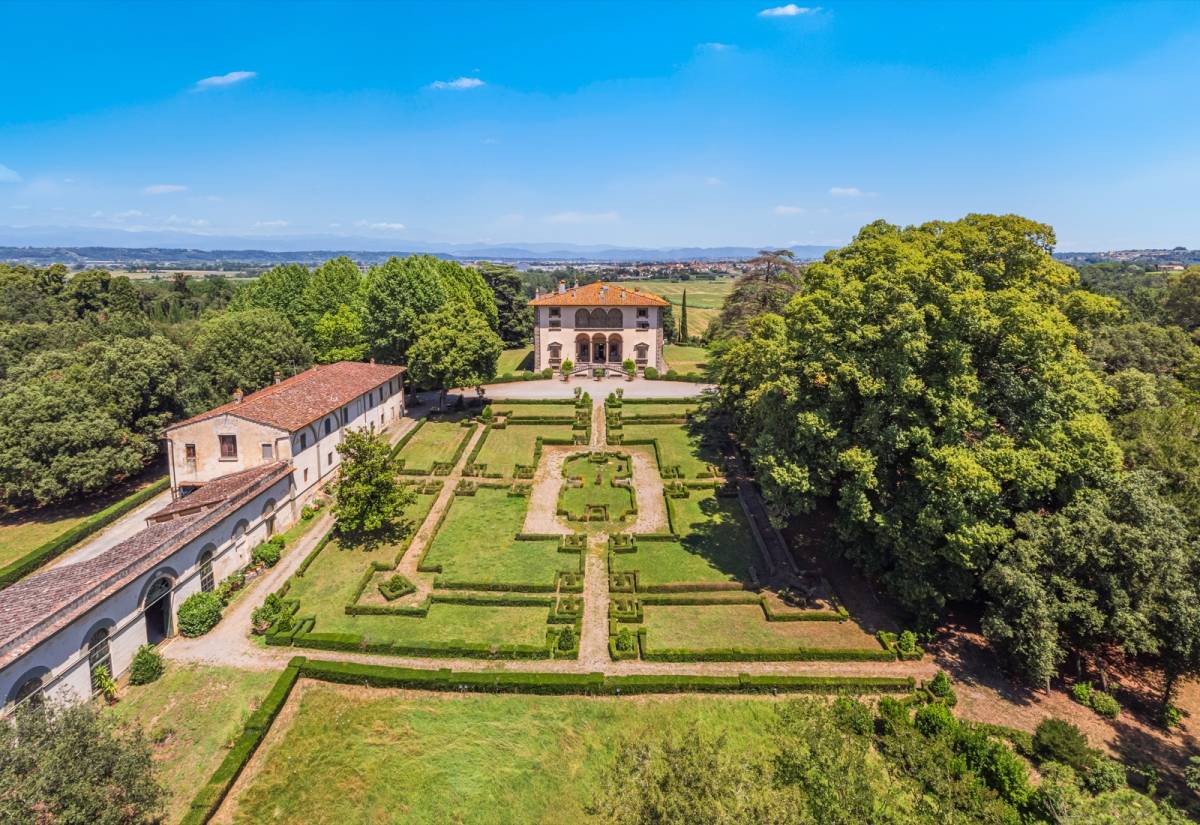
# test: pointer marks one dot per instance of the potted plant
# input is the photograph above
(567, 366)
(598, 373)
(630, 368)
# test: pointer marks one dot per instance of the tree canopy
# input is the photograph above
(455, 347)
(368, 500)
(515, 315)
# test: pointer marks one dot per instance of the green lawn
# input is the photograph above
(707, 627)
(630, 412)
(515, 360)
(705, 299)
(505, 448)
(328, 584)
(27, 530)
(597, 489)
(434, 441)
(476, 543)
(564, 411)
(685, 359)
(366, 756)
(448, 623)
(195, 711)
(676, 447)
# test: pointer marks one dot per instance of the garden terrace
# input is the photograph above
(563, 411)
(596, 490)
(476, 547)
(502, 448)
(433, 441)
(679, 452)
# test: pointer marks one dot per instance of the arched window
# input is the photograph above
(328, 426)
(99, 655)
(157, 611)
(207, 581)
(581, 318)
(614, 318)
(29, 691)
(597, 317)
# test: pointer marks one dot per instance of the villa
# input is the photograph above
(598, 325)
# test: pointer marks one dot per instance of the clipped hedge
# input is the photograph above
(63, 542)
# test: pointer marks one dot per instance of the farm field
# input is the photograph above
(704, 299)
(503, 449)
(676, 447)
(685, 358)
(434, 441)
(465, 758)
(476, 544)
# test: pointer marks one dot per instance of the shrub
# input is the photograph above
(907, 643)
(548, 372)
(396, 586)
(1081, 692)
(853, 716)
(628, 365)
(566, 638)
(269, 552)
(1002, 770)
(1191, 774)
(935, 721)
(940, 687)
(230, 585)
(265, 614)
(104, 682)
(1172, 717)
(567, 365)
(199, 613)
(487, 414)
(625, 640)
(651, 373)
(1057, 740)
(1104, 775)
(1105, 705)
(147, 665)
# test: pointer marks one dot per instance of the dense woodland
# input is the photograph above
(992, 427)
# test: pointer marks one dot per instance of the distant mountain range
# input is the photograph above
(1177, 255)
(169, 248)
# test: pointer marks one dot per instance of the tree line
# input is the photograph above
(988, 431)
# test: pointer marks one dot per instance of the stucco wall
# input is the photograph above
(63, 657)
(631, 336)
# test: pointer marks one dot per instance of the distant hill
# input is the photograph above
(1177, 255)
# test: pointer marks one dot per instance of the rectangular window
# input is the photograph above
(228, 446)
(555, 312)
(306, 475)
(329, 459)
(643, 313)
(268, 452)
(303, 441)
(189, 452)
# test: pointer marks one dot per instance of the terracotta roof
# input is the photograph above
(306, 396)
(215, 491)
(599, 294)
(35, 608)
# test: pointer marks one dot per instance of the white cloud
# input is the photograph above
(276, 224)
(8, 175)
(229, 79)
(713, 181)
(175, 220)
(790, 10)
(583, 217)
(849, 192)
(381, 226)
(714, 46)
(458, 84)
(789, 210)
(163, 189)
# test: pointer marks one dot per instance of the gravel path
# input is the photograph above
(542, 515)
(593, 645)
(557, 388)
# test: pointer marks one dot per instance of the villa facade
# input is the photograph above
(598, 325)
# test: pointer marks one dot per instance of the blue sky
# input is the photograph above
(647, 123)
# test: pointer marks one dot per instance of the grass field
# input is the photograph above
(192, 712)
(631, 412)
(685, 359)
(328, 584)
(29, 529)
(563, 411)
(365, 756)
(515, 360)
(704, 299)
(448, 623)
(513, 445)
(435, 441)
(707, 627)
(597, 489)
(476, 543)
(676, 447)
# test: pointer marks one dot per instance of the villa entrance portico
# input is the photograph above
(598, 349)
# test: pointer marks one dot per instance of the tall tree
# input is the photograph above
(683, 320)
(73, 765)
(281, 289)
(1182, 301)
(455, 348)
(242, 350)
(773, 263)
(368, 499)
(335, 284)
(338, 336)
(515, 316)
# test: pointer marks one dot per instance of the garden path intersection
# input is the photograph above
(705, 602)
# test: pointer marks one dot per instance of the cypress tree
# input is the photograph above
(683, 330)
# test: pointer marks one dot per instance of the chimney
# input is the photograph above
(562, 287)
(237, 396)
(278, 376)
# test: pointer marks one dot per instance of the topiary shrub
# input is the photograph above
(269, 552)
(650, 372)
(935, 721)
(940, 687)
(566, 638)
(1056, 740)
(625, 640)
(199, 613)
(265, 614)
(396, 586)
(853, 716)
(147, 665)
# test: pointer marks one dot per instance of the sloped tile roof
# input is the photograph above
(599, 294)
(217, 490)
(35, 608)
(306, 396)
